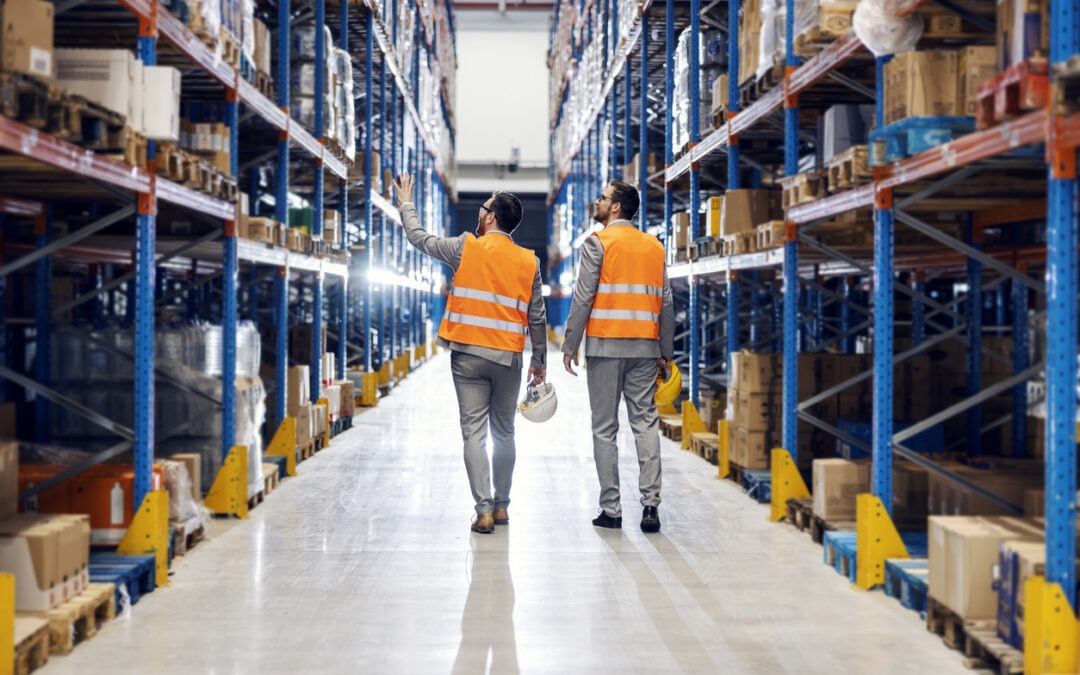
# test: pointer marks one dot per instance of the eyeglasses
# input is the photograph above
(602, 198)
(484, 208)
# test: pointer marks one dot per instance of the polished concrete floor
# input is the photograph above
(364, 563)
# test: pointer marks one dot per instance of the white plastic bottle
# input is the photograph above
(116, 505)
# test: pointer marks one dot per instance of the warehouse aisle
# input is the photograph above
(365, 563)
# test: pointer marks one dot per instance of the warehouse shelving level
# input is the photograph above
(725, 300)
(187, 266)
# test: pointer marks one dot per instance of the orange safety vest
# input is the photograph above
(631, 291)
(489, 301)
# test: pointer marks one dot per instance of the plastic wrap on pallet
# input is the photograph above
(210, 13)
(770, 39)
(247, 22)
(883, 32)
(302, 80)
(303, 43)
(184, 511)
(713, 59)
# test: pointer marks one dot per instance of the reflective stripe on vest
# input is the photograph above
(489, 301)
(630, 294)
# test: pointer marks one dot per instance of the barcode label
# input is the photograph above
(40, 61)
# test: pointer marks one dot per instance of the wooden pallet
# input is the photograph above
(265, 84)
(256, 499)
(753, 89)
(850, 169)
(705, 445)
(719, 117)
(230, 48)
(270, 478)
(978, 640)
(1020, 89)
(66, 116)
(769, 235)
(1065, 95)
(80, 618)
(305, 450)
(803, 188)
(671, 426)
(31, 644)
(184, 542)
(834, 20)
(819, 526)
(800, 513)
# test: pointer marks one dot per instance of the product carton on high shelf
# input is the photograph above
(681, 226)
(743, 210)
(714, 209)
(161, 103)
(26, 38)
(976, 69)
(111, 78)
(921, 84)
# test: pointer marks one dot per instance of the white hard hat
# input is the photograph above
(539, 403)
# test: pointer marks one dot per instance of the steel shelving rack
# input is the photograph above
(816, 287)
(207, 269)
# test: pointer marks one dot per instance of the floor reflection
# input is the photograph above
(487, 622)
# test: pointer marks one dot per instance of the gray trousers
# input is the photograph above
(487, 393)
(633, 379)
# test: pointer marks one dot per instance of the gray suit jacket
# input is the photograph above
(448, 250)
(588, 278)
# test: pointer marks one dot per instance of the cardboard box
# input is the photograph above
(26, 38)
(318, 420)
(294, 239)
(109, 77)
(681, 229)
(193, 462)
(161, 103)
(976, 69)
(845, 126)
(1023, 31)
(972, 551)
(262, 229)
(9, 478)
(743, 210)
(299, 382)
(910, 495)
(720, 93)
(759, 372)
(836, 484)
(714, 209)
(348, 397)
(753, 448)
(302, 413)
(758, 411)
(263, 48)
(332, 394)
(921, 84)
(49, 557)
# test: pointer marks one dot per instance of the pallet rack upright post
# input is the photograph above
(695, 195)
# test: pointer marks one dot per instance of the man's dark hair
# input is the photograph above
(626, 196)
(507, 210)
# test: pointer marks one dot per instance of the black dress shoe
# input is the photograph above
(650, 520)
(604, 520)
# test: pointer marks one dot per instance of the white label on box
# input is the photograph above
(40, 61)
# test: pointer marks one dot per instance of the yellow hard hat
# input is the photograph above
(668, 385)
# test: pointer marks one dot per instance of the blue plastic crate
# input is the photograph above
(905, 138)
(137, 573)
(906, 579)
(758, 484)
(931, 440)
(841, 554)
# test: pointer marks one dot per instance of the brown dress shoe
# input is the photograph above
(502, 517)
(484, 524)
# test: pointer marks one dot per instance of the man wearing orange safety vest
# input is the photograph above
(495, 301)
(622, 305)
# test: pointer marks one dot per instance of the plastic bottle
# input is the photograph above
(116, 505)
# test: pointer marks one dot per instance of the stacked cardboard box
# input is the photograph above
(949, 498)
(921, 84)
(298, 401)
(753, 410)
(211, 140)
(744, 210)
(26, 38)
(749, 39)
(348, 397)
(837, 482)
(49, 556)
(720, 93)
(963, 556)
